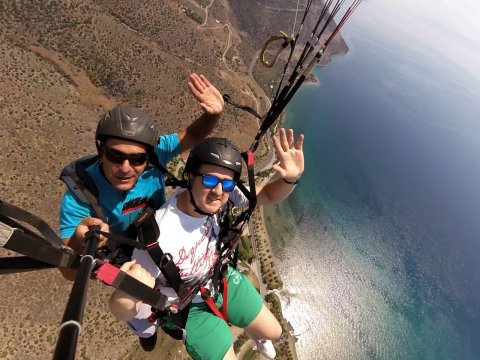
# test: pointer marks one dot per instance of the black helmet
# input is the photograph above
(216, 151)
(129, 123)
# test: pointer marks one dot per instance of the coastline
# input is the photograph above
(264, 266)
(292, 339)
(312, 80)
(265, 269)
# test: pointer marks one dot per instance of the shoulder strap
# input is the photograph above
(75, 176)
(148, 233)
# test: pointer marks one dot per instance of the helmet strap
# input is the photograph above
(192, 201)
(98, 145)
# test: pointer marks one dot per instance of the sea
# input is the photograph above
(379, 245)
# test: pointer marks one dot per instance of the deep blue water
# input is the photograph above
(381, 259)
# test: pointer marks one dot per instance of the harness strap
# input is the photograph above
(14, 236)
(113, 276)
(248, 109)
(16, 264)
(148, 233)
(179, 319)
(122, 239)
(207, 297)
(210, 303)
(244, 216)
(249, 158)
(81, 184)
(225, 298)
(22, 215)
(93, 201)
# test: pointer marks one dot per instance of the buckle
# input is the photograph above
(206, 293)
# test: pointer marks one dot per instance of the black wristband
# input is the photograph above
(292, 182)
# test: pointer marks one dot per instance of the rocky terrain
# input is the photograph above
(62, 64)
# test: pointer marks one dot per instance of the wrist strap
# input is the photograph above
(292, 182)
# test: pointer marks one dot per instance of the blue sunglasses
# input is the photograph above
(211, 181)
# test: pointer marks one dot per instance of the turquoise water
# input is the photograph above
(380, 246)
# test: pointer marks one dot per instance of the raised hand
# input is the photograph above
(289, 154)
(210, 99)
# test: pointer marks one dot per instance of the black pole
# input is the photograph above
(73, 315)
(17, 264)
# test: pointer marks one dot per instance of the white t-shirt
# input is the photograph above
(191, 242)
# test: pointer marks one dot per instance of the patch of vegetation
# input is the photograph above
(264, 174)
(203, 3)
(241, 340)
(245, 250)
(193, 15)
(251, 355)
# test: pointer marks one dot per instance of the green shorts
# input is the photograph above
(208, 336)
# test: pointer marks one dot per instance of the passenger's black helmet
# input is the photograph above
(129, 123)
(216, 151)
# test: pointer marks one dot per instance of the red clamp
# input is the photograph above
(250, 158)
(107, 273)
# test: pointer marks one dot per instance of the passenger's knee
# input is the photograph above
(276, 331)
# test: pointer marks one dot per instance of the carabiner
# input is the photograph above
(287, 40)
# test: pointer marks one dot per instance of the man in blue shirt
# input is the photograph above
(124, 182)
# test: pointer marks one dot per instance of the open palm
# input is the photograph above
(210, 99)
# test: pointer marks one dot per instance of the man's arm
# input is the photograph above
(289, 170)
(123, 306)
(77, 240)
(211, 101)
(75, 219)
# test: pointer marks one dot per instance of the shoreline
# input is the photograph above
(292, 339)
(265, 268)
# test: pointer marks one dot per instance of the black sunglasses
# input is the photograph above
(118, 157)
(211, 181)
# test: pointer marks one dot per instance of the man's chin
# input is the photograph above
(123, 186)
(213, 207)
